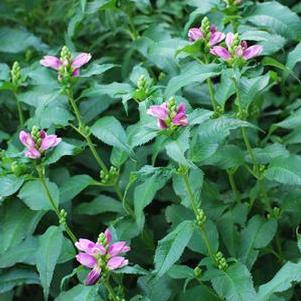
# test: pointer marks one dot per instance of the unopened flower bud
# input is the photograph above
(16, 74)
(182, 170)
(66, 55)
(35, 132)
(63, 216)
(205, 28)
(102, 239)
(220, 261)
(201, 218)
(197, 272)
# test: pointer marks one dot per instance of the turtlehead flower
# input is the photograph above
(168, 114)
(101, 256)
(72, 64)
(37, 142)
(236, 50)
(216, 36)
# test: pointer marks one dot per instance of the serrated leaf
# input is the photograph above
(171, 247)
(50, 244)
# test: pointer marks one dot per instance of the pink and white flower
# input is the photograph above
(37, 146)
(241, 51)
(166, 117)
(101, 256)
(76, 63)
(216, 36)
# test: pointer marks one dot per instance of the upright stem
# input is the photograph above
(233, 185)
(108, 286)
(19, 108)
(41, 173)
(212, 95)
(195, 210)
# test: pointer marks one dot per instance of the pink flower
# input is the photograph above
(215, 36)
(101, 256)
(76, 63)
(165, 117)
(36, 147)
(242, 50)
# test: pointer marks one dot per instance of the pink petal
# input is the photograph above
(180, 119)
(42, 134)
(85, 245)
(108, 236)
(216, 37)
(93, 276)
(213, 29)
(82, 59)
(161, 124)
(158, 111)
(182, 108)
(229, 39)
(86, 260)
(118, 247)
(50, 141)
(117, 262)
(26, 139)
(194, 34)
(32, 153)
(75, 73)
(221, 52)
(239, 51)
(51, 62)
(252, 51)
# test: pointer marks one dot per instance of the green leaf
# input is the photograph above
(199, 293)
(294, 57)
(33, 194)
(191, 73)
(285, 170)
(292, 121)
(277, 18)
(50, 244)
(10, 184)
(96, 69)
(17, 222)
(181, 272)
(145, 192)
(80, 293)
(109, 130)
(251, 87)
(171, 247)
(176, 148)
(99, 205)
(63, 149)
(73, 186)
(258, 234)
(11, 278)
(21, 253)
(282, 281)
(11, 40)
(226, 88)
(235, 284)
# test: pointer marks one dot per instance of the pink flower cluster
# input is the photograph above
(242, 50)
(36, 147)
(169, 115)
(101, 256)
(232, 51)
(76, 63)
(196, 33)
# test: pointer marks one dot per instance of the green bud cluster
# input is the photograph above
(201, 218)
(102, 239)
(221, 261)
(143, 89)
(65, 71)
(109, 177)
(197, 272)
(182, 170)
(275, 213)
(35, 132)
(242, 114)
(63, 217)
(17, 168)
(16, 74)
(205, 28)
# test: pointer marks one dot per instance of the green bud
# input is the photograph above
(182, 170)
(220, 261)
(16, 74)
(205, 28)
(35, 132)
(201, 218)
(66, 54)
(197, 272)
(16, 168)
(63, 216)
(102, 239)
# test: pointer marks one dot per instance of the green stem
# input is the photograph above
(249, 147)
(233, 185)
(41, 172)
(19, 108)
(108, 286)
(195, 210)
(212, 95)
(209, 289)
